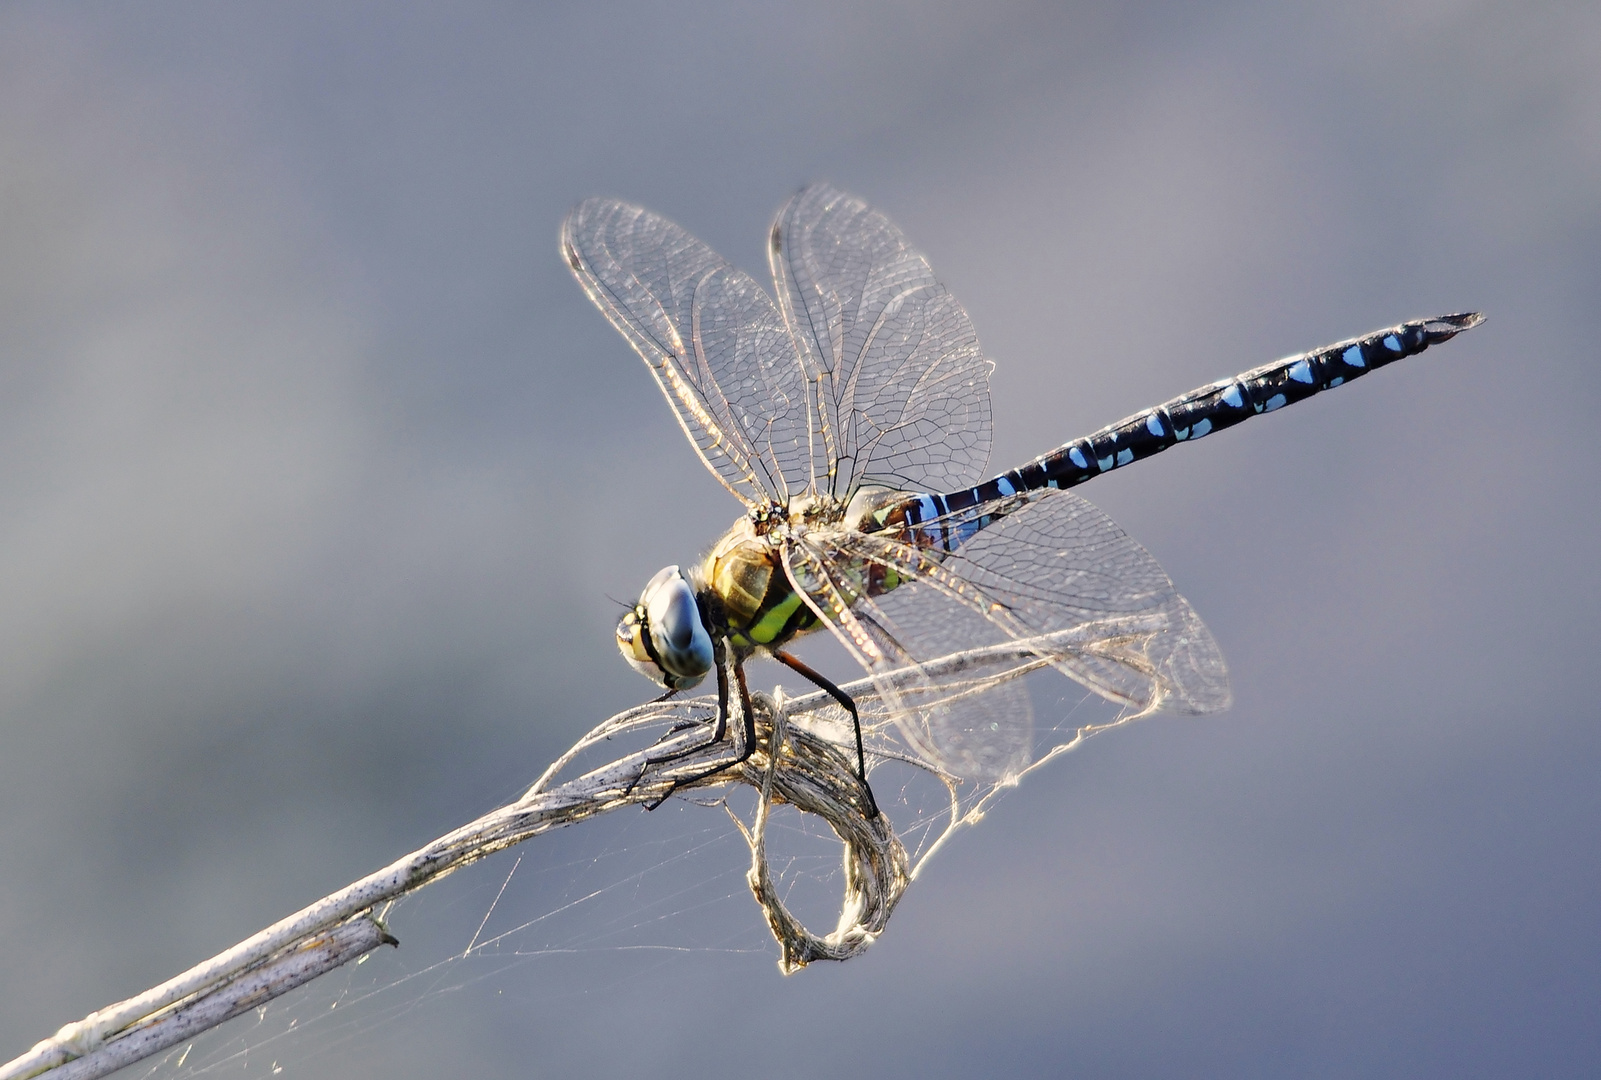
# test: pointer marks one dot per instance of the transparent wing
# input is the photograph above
(975, 724)
(711, 336)
(1056, 573)
(1058, 564)
(900, 388)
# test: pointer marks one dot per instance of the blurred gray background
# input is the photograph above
(317, 471)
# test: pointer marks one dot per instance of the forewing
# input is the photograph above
(712, 337)
(900, 390)
(1059, 566)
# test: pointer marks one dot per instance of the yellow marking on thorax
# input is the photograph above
(745, 573)
(740, 570)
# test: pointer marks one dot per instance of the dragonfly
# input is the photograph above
(849, 411)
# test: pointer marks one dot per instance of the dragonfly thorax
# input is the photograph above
(743, 579)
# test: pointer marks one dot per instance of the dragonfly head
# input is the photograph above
(663, 637)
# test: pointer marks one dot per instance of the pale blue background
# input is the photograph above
(317, 469)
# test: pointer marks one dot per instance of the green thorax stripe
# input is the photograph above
(782, 615)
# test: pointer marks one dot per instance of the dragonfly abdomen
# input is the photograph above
(940, 521)
(1223, 404)
(935, 521)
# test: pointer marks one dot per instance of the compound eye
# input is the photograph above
(678, 640)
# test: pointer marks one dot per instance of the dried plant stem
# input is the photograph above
(807, 771)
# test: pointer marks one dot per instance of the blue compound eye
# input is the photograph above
(663, 636)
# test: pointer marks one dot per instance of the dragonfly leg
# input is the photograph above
(682, 725)
(717, 733)
(747, 740)
(805, 670)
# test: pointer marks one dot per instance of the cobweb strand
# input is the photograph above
(808, 771)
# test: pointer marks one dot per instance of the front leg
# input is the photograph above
(719, 656)
(747, 742)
